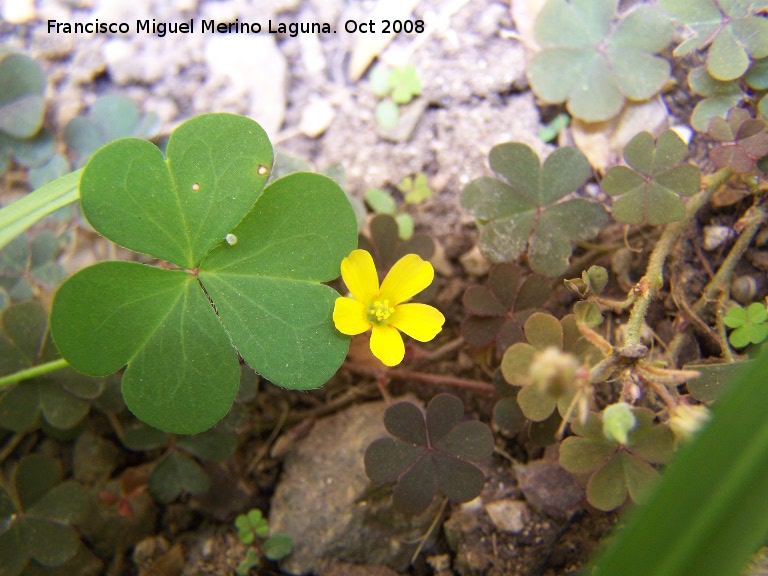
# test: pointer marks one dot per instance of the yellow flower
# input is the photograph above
(382, 308)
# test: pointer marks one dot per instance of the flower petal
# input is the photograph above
(387, 344)
(359, 274)
(420, 321)
(409, 276)
(350, 317)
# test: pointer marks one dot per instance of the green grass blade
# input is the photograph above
(20, 215)
(710, 511)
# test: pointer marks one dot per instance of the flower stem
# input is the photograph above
(654, 273)
(33, 372)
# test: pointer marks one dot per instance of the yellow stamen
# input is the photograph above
(379, 311)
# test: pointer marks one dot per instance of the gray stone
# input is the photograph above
(326, 503)
(550, 489)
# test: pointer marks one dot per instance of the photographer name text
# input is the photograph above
(161, 29)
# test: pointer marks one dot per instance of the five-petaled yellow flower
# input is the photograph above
(382, 308)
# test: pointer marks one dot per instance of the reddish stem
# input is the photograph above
(438, 379)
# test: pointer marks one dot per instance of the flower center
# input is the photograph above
(379, 311)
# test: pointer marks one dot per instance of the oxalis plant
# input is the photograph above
(239, 272)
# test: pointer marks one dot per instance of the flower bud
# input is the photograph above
(685, 420)
(554, 371)
(618, 421)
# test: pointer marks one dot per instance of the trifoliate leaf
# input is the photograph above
(415, 190)
(525, 212)
(744, 140)
(430, 453)
(405, 84)
(719, 97)
(278, 546)
(22, 90)
(649, 189)
(380, 201)
(495, 312)
(749, 324)
(734, 32)
(182, 373)
(61, 398)
(39, 532)
(174, 474)
(111, 117)
(593, 62)
(617, 470)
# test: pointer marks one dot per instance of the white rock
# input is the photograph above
(716, 236)
(312, 53)
(316, 117)
(18, 11)
(509, 515)
(252, 65)
(474, 263)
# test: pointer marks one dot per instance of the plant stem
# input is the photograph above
(33, 372)
(401, 374)
(721, 281)
(724, 345)
(654, 273)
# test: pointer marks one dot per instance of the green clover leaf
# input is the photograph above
(111, 117)
(616, 470)
(405, 84)
(749, 324)
(22, 107)
(22, 95)
(719, 97)
(61, 401)
(36, 513)
(415, 190)
(594, 63)
(524, 212)
(650, 188)
(264, 280)
(733, 31)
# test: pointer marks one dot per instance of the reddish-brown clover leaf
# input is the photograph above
(497, 310)
(386, 247)
(616, 470)
(430, 453)
(744, 140)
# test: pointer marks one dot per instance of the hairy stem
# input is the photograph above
(720, 324)
(438, 379)
(654, 273)
(33, 372)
